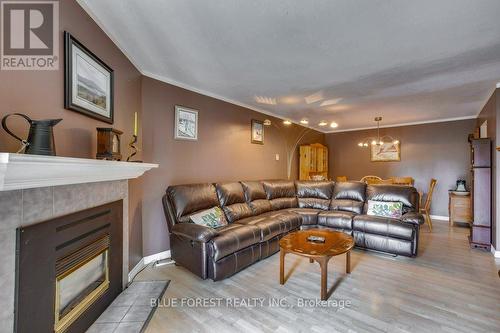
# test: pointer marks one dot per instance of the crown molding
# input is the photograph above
(222, 98)
(404, 124)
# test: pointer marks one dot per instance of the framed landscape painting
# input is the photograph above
(257, 130)
(186, 123)
(386, 152)
(88, 81)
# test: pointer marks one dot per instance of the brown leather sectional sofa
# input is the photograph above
(261, 212)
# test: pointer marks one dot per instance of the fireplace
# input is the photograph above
(69, 269)
(36, 189)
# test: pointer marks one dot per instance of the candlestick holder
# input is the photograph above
(133, 148)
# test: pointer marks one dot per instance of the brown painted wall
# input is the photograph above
(438, 150)
(40, 94)
(223, 151)
(489, 113)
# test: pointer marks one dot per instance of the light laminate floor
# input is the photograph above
(447, 288)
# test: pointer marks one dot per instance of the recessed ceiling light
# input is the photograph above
(330, 101)
(316, 97)
(290, 100)
(265, 100)
(322, 123)
(287, 122)
(304, 121)
(334, 124)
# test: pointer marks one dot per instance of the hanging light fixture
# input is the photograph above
(379, 140)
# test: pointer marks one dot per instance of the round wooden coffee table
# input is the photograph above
(335, 243)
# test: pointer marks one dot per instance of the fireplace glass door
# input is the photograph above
(82, 278)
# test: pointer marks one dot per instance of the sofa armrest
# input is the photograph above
(413, 217)
(194, 232)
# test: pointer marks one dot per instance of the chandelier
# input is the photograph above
(379, 140)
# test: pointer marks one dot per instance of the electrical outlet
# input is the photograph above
(277, 157)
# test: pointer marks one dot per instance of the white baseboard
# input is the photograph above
(156, 256)
(440, 217)
(146, 261)
(496, 254)
(134, 271)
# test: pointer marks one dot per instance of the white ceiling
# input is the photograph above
(336, 60)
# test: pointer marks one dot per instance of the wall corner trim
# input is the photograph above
(146, 261)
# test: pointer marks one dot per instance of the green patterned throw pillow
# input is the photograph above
(213, 218)
(385, 209)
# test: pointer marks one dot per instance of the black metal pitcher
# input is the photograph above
(40, 139)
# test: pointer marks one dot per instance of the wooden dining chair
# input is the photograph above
(426, 209)
(371, 179)
(340, 179)
(407, 181)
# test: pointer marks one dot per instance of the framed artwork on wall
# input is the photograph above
(88, 81)
(257, 132)
(386, 152)
(186, 123)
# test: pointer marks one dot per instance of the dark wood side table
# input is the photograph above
(335, 243)
(460, 208)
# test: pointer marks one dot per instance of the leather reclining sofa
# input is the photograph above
(259, 213)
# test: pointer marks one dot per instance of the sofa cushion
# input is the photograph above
(230, 193)
(313, 203)
(260, 206)
(279, 189)
(313, 194)
(336, 219)
(254, 190)
(385, 244)
(352, 190)
(283, 203)
(309, 215)
(348, 196)
(237, 212)
(314, 189)
(232, 200)
(232, 238)
(384, 226)
(347, 205)
(256, 197)
(407, 195)
(213, 218)
(273, 224)
(393, 209)
(191, 198)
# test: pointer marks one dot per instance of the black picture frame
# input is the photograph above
(255, 136)
(69, 103)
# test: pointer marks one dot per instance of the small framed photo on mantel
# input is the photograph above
(257, 132)
(186, 123)
(88, 81)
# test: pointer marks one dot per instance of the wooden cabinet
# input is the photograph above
(460, 208)
(313, 161)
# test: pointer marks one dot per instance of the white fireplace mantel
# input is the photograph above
(20, 171)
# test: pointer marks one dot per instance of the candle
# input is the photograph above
(135, 123)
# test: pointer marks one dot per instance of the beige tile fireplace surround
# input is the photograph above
(34, 189)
